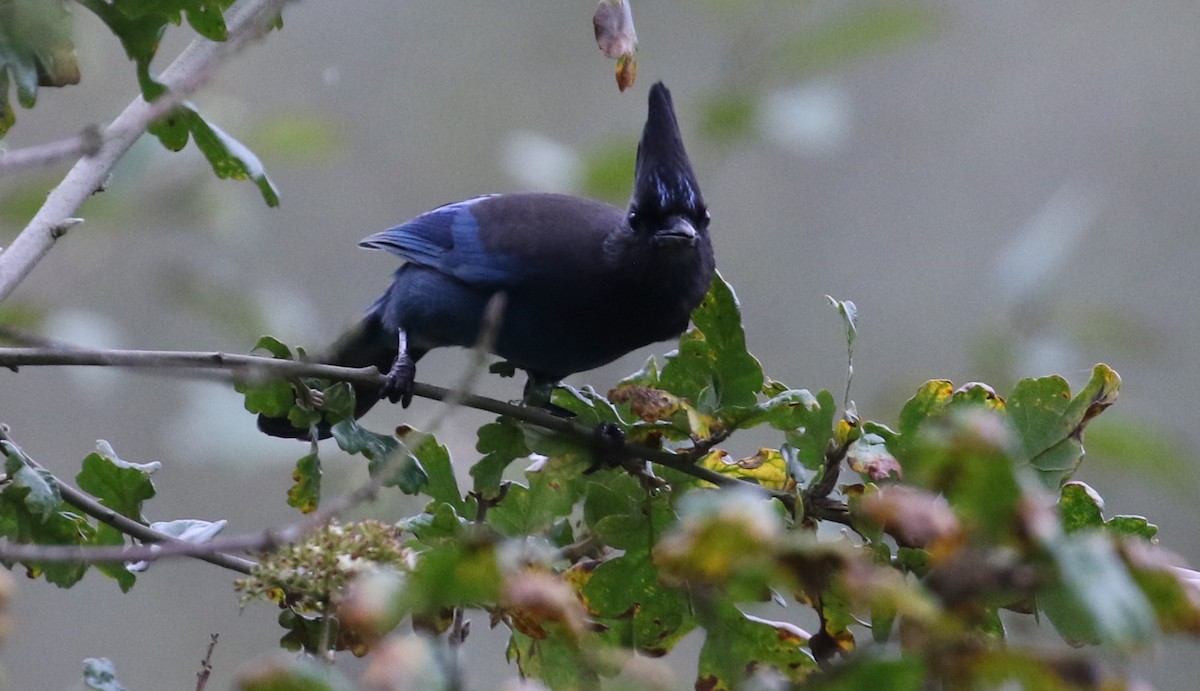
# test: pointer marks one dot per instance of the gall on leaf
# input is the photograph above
(617, 39)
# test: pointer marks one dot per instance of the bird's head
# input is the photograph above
(666, 204)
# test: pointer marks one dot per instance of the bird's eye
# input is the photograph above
(704, 221)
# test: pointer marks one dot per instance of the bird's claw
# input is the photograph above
(399, 384)
(608, 443)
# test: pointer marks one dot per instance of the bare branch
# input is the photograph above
(254, 368)
(246, 20)
(86, 143)
(206, 664)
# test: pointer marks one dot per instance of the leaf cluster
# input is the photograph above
(595, 560)
(38, 509)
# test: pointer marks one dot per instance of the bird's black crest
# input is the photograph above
(663, 177)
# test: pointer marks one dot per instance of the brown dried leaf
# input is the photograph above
(617, 39)
(648, 404)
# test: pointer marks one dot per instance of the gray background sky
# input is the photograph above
(1010, 192)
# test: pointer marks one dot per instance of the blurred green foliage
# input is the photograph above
(986, 519)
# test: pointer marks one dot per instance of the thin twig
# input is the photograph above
(815, 499)
(86, 143)
(206, 664)
(245, 21)
(164, 543)
(255, 368)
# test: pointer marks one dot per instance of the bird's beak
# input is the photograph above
(678, 231)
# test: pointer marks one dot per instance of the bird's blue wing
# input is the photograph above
(432, 238)
(503, 241)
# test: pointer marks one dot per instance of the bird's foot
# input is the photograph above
(538, 392)
(608, 445)
(400, 380)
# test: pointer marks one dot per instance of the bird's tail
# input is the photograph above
(365, 344)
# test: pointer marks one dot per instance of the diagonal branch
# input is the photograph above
(245, 21)
(85, 503)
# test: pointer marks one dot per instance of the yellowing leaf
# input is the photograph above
(767, 467)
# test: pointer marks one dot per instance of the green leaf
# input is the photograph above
(32, 512)
(305, 494)
(556, 661)
(108, 536)
(553, 489)
(1167, 584)
(118, 484)
(1079, 507)
(1049, 422)
(455, 574)
(228, 157)
(625, 592)
(274, 398)
(905, 674)
(60, 528)
(385, 453)
(353, 438)
(738, 646)
(32, 488)
(438, 525)
(100, 674)
(621, 514)
(931, 398)
(35, 50)
(966, 455)
(205, 17)
(442, 485)
(502, 442)
(275, 347)
(647, 376)
(640, 611)
(141, 24)
(787, 410)
(1132, 526)
(338, 402)
(811, 437)
(1094, 599)
(712, 368)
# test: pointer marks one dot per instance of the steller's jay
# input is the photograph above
(584, 281)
